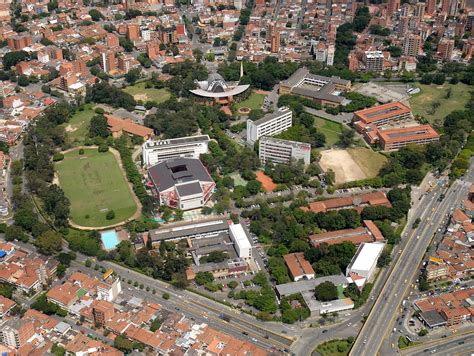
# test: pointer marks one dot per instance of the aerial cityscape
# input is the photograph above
(236, 178)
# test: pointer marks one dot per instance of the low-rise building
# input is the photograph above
(156, 151)
(357, 202)
(269, 125)
(182, 183)
(298, 266)
(283, 151)
(381, 115)
(364, 263)
(241, 241)
(119, 126)
(364, 234)
(394, 139)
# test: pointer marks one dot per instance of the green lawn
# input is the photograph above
(254, 102)
(139, 92)
(334, 348)
(78, 126)
(238, 180)
(330, 129)
(94, 184)
(421, 103)
(369, 161)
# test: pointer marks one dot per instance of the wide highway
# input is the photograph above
(380, 322)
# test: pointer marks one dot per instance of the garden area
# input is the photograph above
(335, 347)
(435, 102)
(77, 127)
(139, 91)
(253, 102)
(330, 129)
(96, 187)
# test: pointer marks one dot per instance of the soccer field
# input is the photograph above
(94, 184)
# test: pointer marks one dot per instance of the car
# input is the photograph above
(433, 351)
(254, 339)
(245, 333)
(460, 342)
(324, 331)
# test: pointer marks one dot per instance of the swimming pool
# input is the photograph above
(109, 239)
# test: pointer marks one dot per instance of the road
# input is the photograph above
(380, 322)
(457, 345)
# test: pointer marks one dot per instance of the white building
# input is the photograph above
(109, 291)
(330, 56)
(373, 61)
(283, 151)
(241, 242)
(364, 262)
(155, 151)
(146, 35)
(269, 125)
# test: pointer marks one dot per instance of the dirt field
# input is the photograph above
(343, 165)
(267, 182)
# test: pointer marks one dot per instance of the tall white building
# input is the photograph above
(330, 57)
(155, 151)
(283, 151)
(241, 241)
(269, 125)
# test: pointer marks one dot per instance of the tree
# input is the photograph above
(254, 186)
(123, 344)
(98, 127)
(110, 215)
(96, 15)
(23, 81)
(346, 137)
(133, 75)
(203, 278)
(232, 284)
(12, 58)
(325, 291)
(49, 242)
(14, 232)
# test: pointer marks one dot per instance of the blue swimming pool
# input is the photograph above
(109, 239)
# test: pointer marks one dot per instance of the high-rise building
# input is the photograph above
(373, 61)
(133, 32)
(445, 48)
(283, 151)
(275, 42)
(19, 41)
(430, 7)
(111, 40)
(269, 125)
(453, 8)
(403, 26)
(445, 6)
(392, 7)
(108, 61)
(330, 57)
(16, 332)
(411, 45)
(470, 21)
(420, 10)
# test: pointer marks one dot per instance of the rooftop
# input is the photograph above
(380, 112)
(269, 117)
(420, 132)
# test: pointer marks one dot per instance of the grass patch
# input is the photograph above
(238, 180)
(421, 103)
(369, 161)
(139, 92)
(78, 126)
(330, 129)
(254, 102)
(94, 184)
(335, 347)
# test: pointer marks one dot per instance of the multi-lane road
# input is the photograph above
(459, 345)
(380, 322)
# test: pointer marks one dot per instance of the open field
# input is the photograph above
(352, 164)
(254, 102)
(238, 180)
(369, 161)
(78, 125)
(95, 184)
(421, 103)
(330, 129)
(139, 92)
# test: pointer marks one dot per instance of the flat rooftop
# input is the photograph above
(185, 230)
(294, 144)
(269, 117)
(306, 285)
(176, 141)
